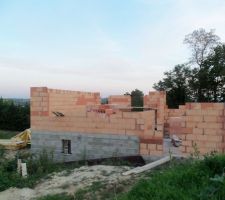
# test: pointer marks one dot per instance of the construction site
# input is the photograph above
(80, 148)
(75, 125)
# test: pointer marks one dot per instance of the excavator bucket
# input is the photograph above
(19, 141)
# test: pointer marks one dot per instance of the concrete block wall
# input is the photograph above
(84, 146)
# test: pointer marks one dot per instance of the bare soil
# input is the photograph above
(70, 182)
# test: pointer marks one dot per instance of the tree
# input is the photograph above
(137, 99)
(205, 84)
(202, 83)
(201, 44)
(176, 83)
(214, 65)
(14, 117)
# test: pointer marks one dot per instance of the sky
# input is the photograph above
(106, 46)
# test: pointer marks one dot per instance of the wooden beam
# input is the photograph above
(148, 166)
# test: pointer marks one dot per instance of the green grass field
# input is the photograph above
(190, 180)
(7, 134)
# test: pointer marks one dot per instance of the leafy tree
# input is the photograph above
(205, 82)
(176, 83)
(214, 70)
(137, 99)
(201, 44)
(127, 93)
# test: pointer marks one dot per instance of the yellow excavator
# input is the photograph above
(19, 141)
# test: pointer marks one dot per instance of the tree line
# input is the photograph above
(14, 117)
(202, 78)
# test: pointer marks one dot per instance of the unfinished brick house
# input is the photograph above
(75, 126)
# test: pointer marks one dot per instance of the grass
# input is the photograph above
(7, 134)
(196, 180)
(183, 180)
(57, 197)
(81, 194)
(38, 168)
(97, 191)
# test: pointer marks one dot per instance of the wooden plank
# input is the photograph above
(148, 166)
(24, 170)
(19, 166)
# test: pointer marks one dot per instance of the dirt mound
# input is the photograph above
(69, 182)
(19, 194)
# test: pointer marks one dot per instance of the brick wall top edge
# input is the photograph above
(204, 105)
(119, 96)
(39, 89)
(156, 92)
(59, 91)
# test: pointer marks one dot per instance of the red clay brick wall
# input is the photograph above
(157, 100)
(71, 103)
(127, 123)
(123, 100)
(153, 145)
(200, 124)
(45, 101)
(204, 126)
(39, 101)
(174, 120)
(65, 101)
(80, 118)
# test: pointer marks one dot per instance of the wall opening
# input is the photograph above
(66, 146)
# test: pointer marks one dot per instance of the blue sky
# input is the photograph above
(110, 46)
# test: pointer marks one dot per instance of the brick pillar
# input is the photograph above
(39, 101)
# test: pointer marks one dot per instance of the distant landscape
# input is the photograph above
(18, 101)
(15, 114)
